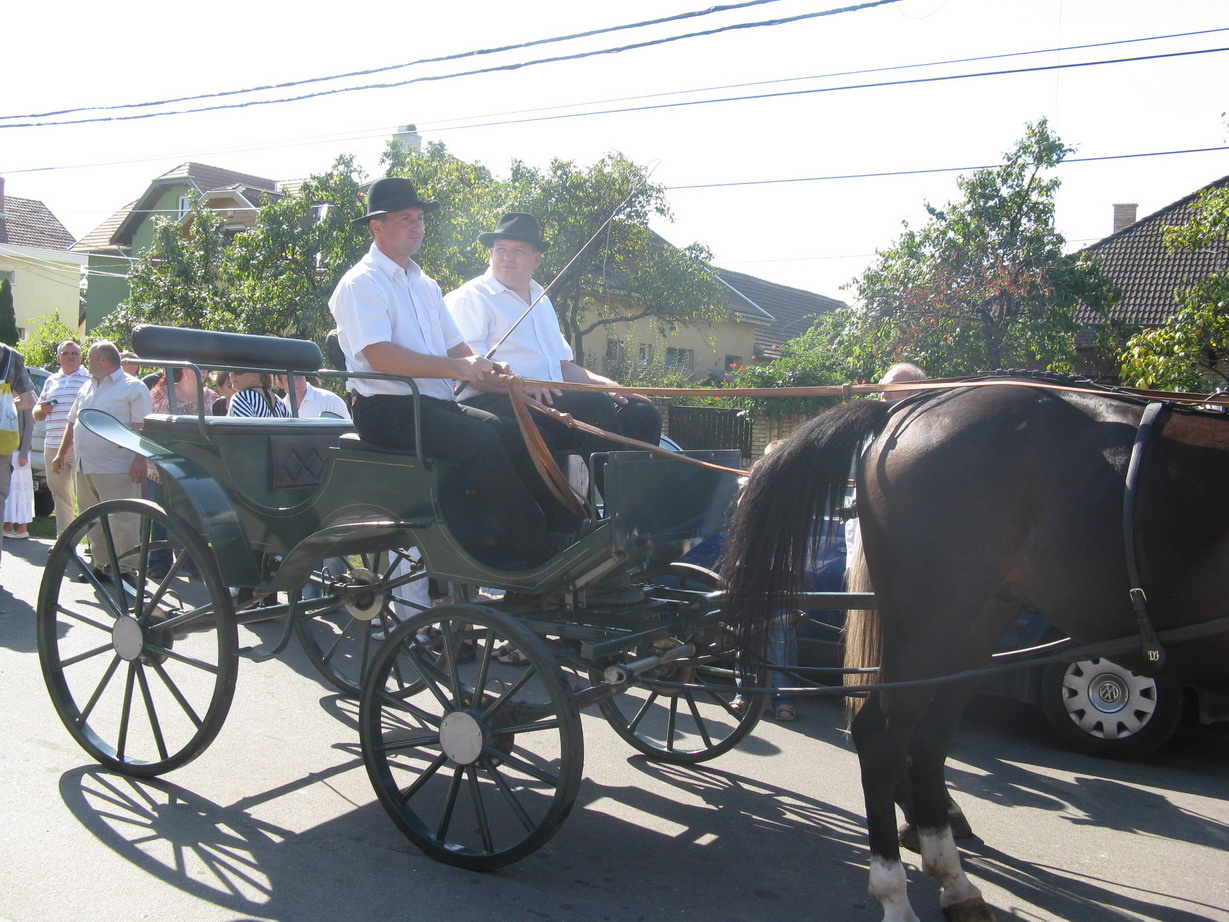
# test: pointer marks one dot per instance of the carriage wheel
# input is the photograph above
(142, 679)
(477, 762)
(375, 593)
(693, 724)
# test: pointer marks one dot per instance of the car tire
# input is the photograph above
(1102, 709)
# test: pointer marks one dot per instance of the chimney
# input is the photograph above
(408, 135)
(1124, 216)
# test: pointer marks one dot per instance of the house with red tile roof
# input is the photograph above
(35, 258)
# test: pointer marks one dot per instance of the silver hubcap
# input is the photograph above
(461, 737)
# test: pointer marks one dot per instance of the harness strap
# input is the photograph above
(542, 457)
(1154, 653)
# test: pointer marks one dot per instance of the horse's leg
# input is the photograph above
(882, 752)
(907, 833)
(932, 737)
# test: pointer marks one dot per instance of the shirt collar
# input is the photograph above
(495, 286)
(390, 268)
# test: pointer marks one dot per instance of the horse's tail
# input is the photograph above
(863, 638)
(770, 541)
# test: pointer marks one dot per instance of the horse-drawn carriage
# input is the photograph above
(475, 753)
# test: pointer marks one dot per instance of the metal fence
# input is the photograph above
(710, 427)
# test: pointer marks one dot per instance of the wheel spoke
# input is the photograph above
(427, 774)
(484, 824)
(152, 713)
(450, 803)
(701, 725)
(102, 686)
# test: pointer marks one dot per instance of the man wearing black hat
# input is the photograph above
(487, 307)
(391, 319)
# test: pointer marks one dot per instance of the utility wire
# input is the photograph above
(946, 169)
(836, 89)
(390, 67)
(846, 73)
(469, 73)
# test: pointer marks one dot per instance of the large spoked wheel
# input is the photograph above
(695, 724)
(374, 593)
(477, 761)
(137, 644)
(1102, 709)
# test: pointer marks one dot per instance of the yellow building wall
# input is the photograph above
(44, 282)
(708, 345)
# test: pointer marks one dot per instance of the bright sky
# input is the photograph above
(815, 235)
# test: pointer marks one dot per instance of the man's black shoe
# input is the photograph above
(99, 574)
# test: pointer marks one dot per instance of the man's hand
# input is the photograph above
(542, 394)
(42, 409)
(139, 469)
(57, 464)
(475, 369)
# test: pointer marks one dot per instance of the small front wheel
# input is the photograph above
(138, 642)
(471, 736)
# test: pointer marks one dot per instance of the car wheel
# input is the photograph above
(1102, 709)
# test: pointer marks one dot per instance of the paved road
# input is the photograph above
(277, 821)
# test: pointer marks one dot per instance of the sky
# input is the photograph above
(733, 169)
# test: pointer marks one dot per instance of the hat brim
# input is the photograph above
(488, 240)
(427, 208)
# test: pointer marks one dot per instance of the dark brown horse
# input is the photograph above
(973, 503)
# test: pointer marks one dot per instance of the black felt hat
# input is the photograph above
(393, 194)
(516, 225)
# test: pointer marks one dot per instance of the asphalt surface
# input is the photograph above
(277, 820)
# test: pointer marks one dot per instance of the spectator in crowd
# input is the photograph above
(313, 400)
(59, 393)
(13, 373)
(19, 507)
(254, 395)
(106, 471)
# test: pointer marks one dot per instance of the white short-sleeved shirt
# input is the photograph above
(484, 309)
(317, 401)
(379, 302)
(124, 397)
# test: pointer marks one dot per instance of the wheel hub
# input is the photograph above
(1109, 694)
(127, 638)
(362, 600)
(461, 737)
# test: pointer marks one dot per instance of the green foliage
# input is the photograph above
(821, 356)
(276, 278)
(985, 283)
(1191, 349)
(40, 345)
(628, 273)
(8, 315)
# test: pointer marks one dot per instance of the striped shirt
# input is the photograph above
(254, 401)
(63, 390)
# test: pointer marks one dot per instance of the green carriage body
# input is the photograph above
(259, 506)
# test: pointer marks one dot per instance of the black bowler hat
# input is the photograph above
(393, 194)
(516, 225)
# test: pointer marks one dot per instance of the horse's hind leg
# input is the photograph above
(959, 899)
(882, 753)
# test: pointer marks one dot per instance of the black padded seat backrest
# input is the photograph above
(352, 440)
(209, 347)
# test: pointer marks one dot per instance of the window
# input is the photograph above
(644, 353)
(733, 361)
(678, 359)
(614, 352)
(185, 205)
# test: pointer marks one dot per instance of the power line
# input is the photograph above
(836, 89)
(946, 169)
(846, 73)
(390, 67)
(469, 73)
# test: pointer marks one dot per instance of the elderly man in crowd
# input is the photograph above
(104, 470)
(59, 393)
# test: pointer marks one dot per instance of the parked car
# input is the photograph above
(44, 504)
(1094, 706)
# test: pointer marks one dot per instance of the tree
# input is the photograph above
(985, 283)
(41, 344)
(277, 276)
(1192, 347)
(8, 316)
(628, 273)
